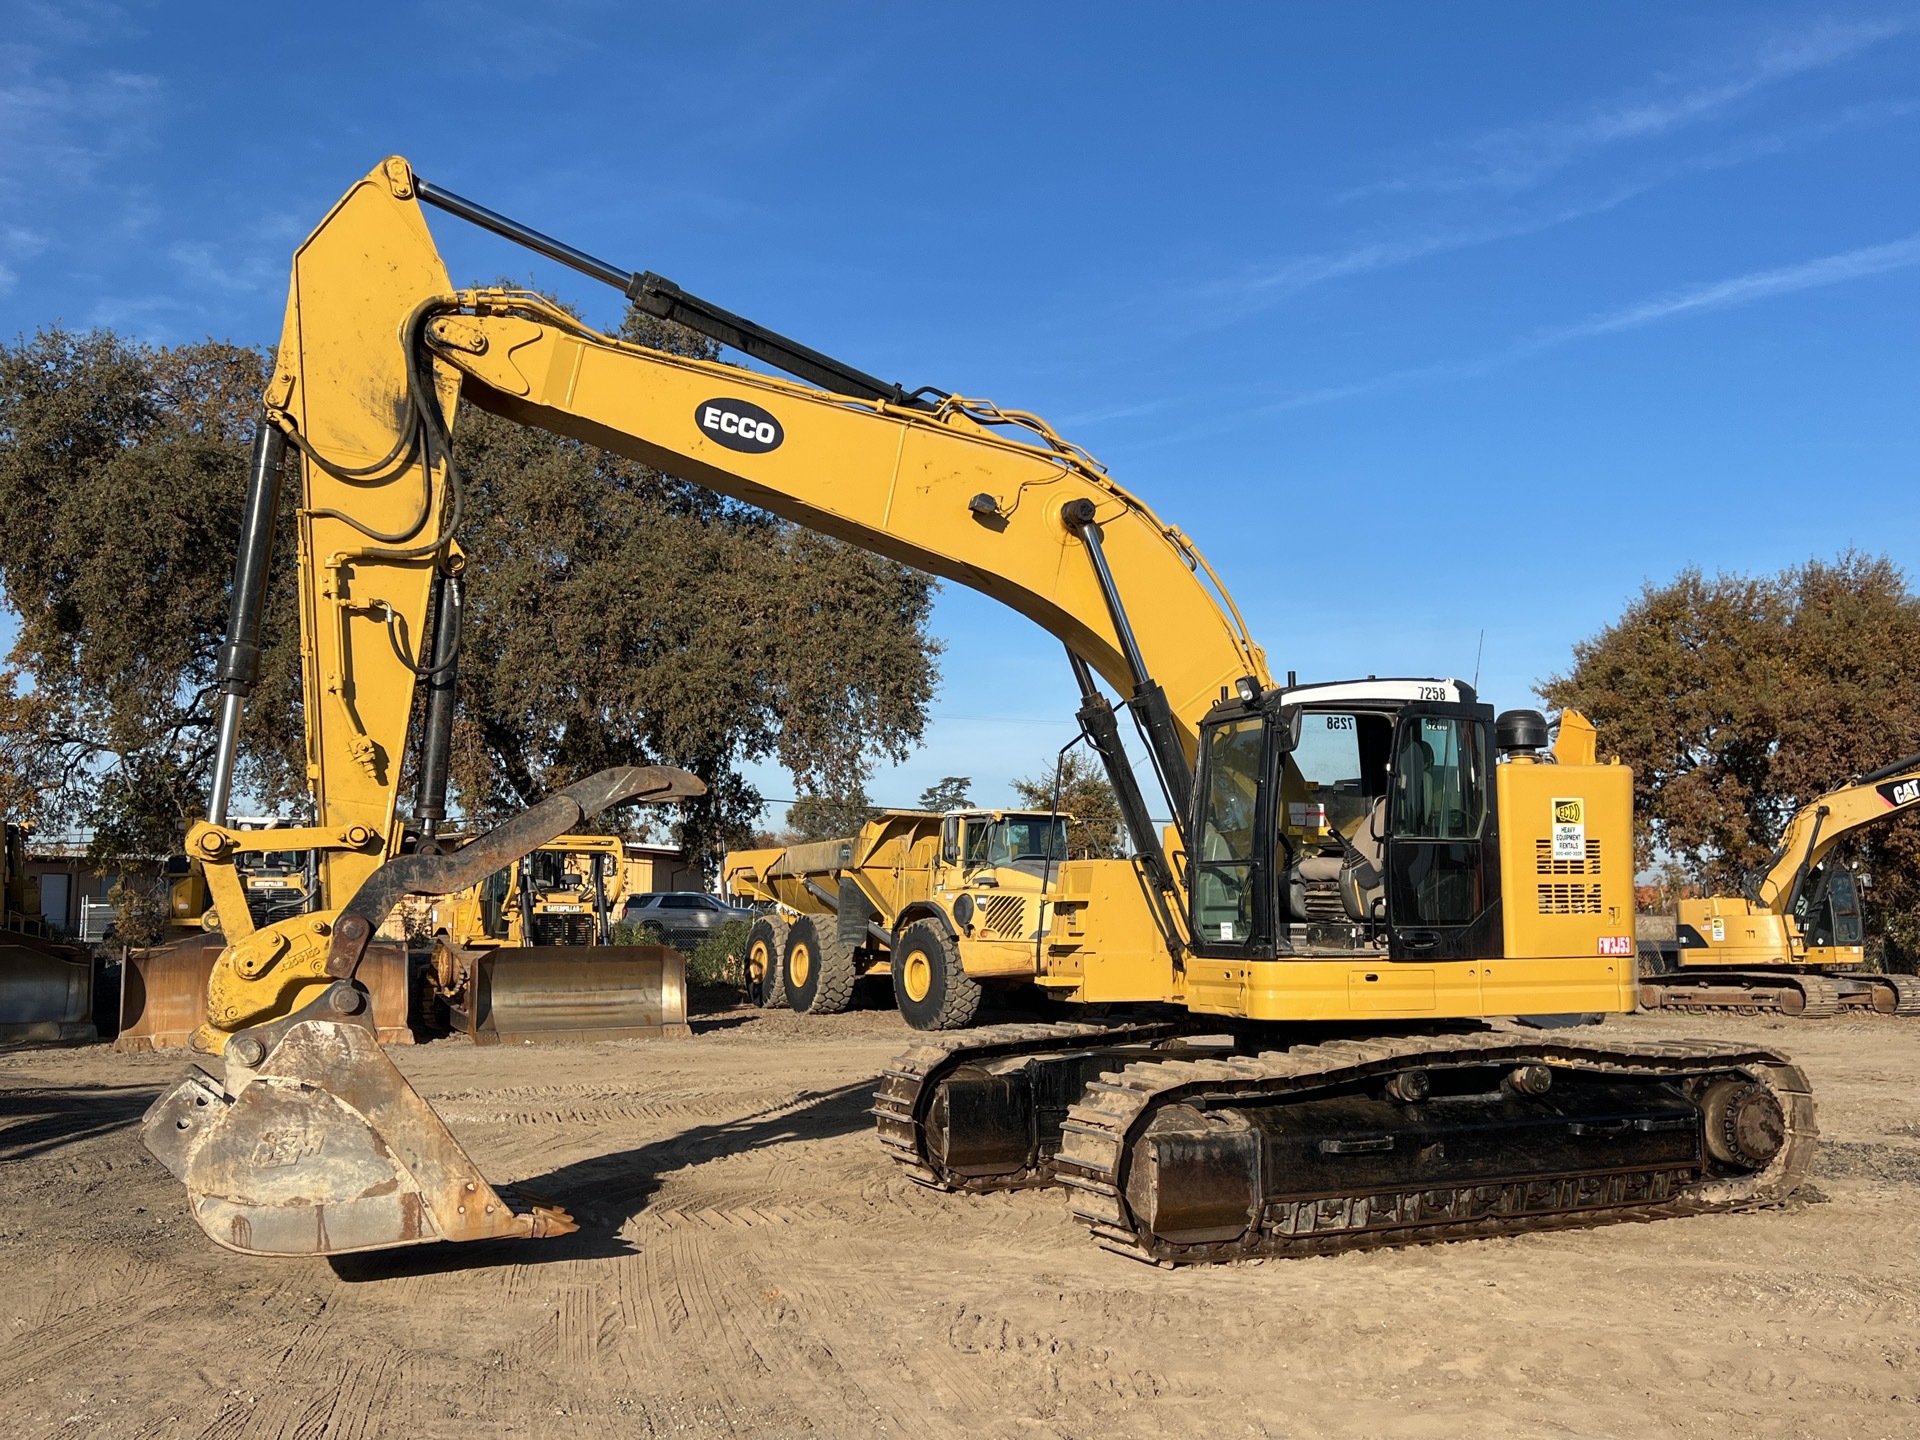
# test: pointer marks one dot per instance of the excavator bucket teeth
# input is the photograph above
(163, 993)
(565, 994)
(325, 1149)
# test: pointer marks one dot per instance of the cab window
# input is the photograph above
(1224, 870)
(1439, 781)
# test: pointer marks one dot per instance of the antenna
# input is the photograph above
(1478, 651)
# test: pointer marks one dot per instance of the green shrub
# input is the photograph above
(637, 933)
(717, 960)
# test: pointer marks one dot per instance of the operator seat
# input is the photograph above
(1363, 889)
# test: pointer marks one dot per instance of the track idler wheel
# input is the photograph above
(316, 1145)
(1744, 1126)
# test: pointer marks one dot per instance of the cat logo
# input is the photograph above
(1569, 812)
(1900, 792)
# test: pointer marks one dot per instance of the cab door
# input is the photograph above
(1442, 846)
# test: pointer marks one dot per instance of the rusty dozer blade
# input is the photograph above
(163, 993)
(568, 994)
(315, 1144)
(322, 1148)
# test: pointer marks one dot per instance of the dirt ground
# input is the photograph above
(750, 1265)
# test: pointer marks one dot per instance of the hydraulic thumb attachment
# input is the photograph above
(314, 1143)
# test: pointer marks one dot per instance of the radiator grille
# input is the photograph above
(1004, 915)
(563, 929)
(1545, 864)
(1570, 899)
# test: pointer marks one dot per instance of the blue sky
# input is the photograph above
(1422, 320)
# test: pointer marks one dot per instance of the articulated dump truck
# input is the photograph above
(1297, 1002)
(945, 906)
(526, 956)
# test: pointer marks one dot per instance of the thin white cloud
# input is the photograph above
(1858, 264)
(1516, 157)
(1847, 265)
(1260, 287)
(1745, 289)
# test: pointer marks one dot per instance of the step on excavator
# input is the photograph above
(527, 955)
(1796, 945)
(1298, 994)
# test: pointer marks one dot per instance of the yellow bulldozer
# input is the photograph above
(1796, 945)
(1296, 999)
(526, 955)
(944, 905)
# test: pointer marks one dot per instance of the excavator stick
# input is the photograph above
(163, 993)
(46, 992)
(314, 1143)
(571, 994)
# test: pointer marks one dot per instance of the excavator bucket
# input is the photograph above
(163, 993)
(313, 1142)
(322, 1148)
(46, 992)
(562, 994)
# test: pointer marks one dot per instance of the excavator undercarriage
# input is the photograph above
(1182, 1148)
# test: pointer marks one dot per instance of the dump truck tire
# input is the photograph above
(766, 947)
(929, 985)
(819, 967)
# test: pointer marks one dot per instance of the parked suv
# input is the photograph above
(681, 915)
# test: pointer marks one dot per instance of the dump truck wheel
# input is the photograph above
(820, 970)
(929, 986)
(766, 944)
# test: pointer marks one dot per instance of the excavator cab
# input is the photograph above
(1828, 909)
(1347, 823)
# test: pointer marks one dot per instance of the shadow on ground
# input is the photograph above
(35, 1119)
(604, 1192)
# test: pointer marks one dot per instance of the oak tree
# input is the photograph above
(1736, 699)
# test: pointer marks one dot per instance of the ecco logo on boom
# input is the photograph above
(739, 426)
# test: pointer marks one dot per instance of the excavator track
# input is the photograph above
(1144, 1142)
(1905, 990)
(1798, 995)
(910, 1085)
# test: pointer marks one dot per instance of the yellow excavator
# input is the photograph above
(554, 905)
(1294, 993)
(1797, 944)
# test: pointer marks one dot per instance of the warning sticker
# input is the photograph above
(1569, 829)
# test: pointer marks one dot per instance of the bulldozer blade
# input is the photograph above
(325, 1149)
(46, 993)
(570, 994)
(163, 993)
